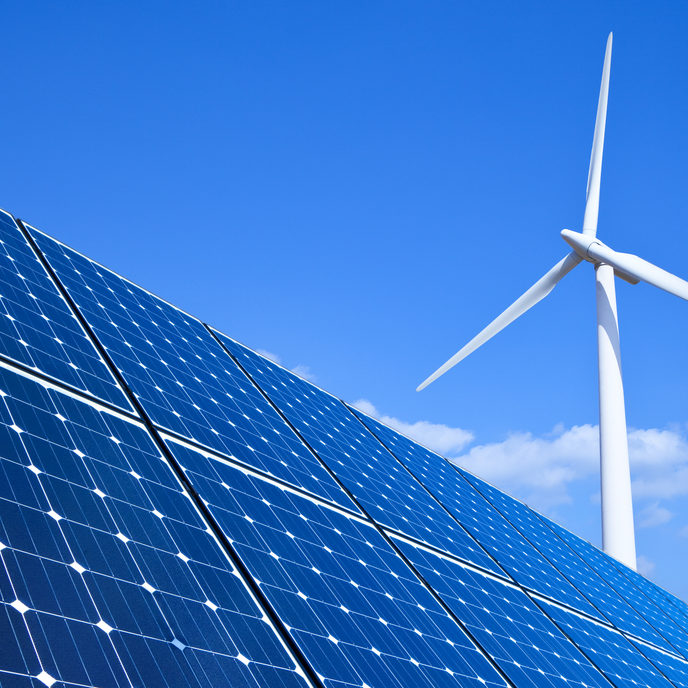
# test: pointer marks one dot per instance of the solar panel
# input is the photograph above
(182, 377)
(500, 538)
(525, 643)
(650, 624)
(580, 571)
(37, 328)
(674, 669)
(175, 510)
(677, 633)
(357, 611)
(110, 576)
(608, 650)
(385, 489)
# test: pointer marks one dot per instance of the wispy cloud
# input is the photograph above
(443, 439)
(654, 515)
(304, 371)
(645, 566)
(301, 370)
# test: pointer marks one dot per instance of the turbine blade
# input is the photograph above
(639, 269)
(592, 194)
(526, 301)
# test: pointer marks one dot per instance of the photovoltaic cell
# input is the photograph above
(108, 575)
(380, 483)
(359, 614)
(528, 647)
(677, 633)
(37, 328)
(495, 534)
(647, 612)
(613, 607)
(607, 649)
(676, 670)
(182, 377)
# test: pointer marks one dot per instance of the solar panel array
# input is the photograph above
(176, 510)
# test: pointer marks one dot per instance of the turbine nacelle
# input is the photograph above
(582, 243)
(631, 268)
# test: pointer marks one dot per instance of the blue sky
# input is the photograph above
(358, 188)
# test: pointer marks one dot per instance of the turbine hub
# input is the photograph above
(581, 244)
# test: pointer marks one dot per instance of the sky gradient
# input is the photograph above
(358, 188)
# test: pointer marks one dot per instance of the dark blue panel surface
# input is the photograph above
(613, 607)
(359, 614)
(108, 575)
(182, 377)
(37, 327)
(676, 633)
(650, 621)
(494, 533)
(615, 656)
(528, 647)
(381, 484)
(676, 670)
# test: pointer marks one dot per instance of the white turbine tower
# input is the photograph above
(617, 510)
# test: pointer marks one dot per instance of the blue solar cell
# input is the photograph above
(528, 647)
(183, 379)
(380, 483)
(657, 607)
(108, 574)
(358, 613)
(614, 608)
(648, 613)
(673, 668)
(526, 565)
(37, 327)
(608, 650)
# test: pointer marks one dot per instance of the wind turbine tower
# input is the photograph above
(618, 537)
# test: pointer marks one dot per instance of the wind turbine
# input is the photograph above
(618, 537)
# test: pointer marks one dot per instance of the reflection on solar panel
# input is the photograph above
(175, 510)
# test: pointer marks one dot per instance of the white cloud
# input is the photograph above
(444, 439)
(541, 469)
(644, 565)
(304, 372)
(269, 355)
(301, 370)
(544, 470)
(654, 515)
